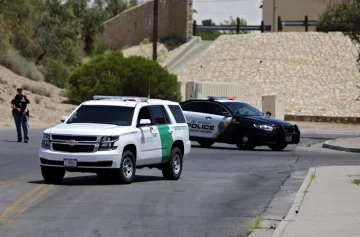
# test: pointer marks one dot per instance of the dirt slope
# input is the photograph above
(46, 103)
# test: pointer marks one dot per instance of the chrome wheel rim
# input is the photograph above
(176, 164)
(245, 139)
(128, 167)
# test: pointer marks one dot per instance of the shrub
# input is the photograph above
(2, 81)
(145, 41)
(36, 90)
(37, 100)
(100, 48)
(112, 74)
(55, 72)
(20, 65)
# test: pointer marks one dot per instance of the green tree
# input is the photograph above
(344, 17)
(114, 7)
(112, 74)
(233, 22)
(209, 35)
(53, 34)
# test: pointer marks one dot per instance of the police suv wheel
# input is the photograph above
(278, 147)
(53, 175)
(245, 142)
(172, 169)
(206, 143)
(126, 173)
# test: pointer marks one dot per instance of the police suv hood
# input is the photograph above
(87, 129)
(268, 121)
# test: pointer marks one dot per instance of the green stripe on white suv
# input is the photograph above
(113, 136)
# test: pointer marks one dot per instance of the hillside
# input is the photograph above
(316, 72)
(46, 100)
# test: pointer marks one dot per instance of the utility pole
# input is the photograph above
(155, 28)
(117, 7)
(274, 16)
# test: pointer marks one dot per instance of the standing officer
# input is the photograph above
(21, 114)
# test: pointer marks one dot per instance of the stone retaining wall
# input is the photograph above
(133, 25)
(316, 72)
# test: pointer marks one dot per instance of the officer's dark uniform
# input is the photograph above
(20, 101)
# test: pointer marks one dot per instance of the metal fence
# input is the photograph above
(238, 28)
(306, 23)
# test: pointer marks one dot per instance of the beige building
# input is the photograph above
(293, 10)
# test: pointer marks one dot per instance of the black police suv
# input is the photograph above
(225, 120)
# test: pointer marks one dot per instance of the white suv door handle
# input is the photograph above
(170, 131)
(208, 117)
(151, 131)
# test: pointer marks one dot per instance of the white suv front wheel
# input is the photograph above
(173, 168)
(126, 173)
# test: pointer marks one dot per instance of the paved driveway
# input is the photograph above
(220, 191)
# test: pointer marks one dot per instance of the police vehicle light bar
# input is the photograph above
(123, 98)
(222, 97)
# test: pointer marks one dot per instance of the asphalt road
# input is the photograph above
(221, 190)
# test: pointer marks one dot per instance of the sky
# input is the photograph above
(220, 10)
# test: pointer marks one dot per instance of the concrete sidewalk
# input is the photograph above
(346, 144)
(326, 205)
(327, 128)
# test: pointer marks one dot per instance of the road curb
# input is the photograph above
(296, 205)
(339, 148)
(193, 41)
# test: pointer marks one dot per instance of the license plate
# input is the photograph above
(288, 138)
(70, 163)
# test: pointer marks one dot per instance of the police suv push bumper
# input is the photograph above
(74, 152)
(288, 134)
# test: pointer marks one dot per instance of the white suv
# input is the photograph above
(112, 136)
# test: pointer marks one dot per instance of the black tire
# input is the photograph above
(53, 175)
(245, 142)
(278, 147)
(126, 172)
(206, 143)
(171, 171)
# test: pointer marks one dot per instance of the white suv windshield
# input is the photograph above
(103, 114)
(242, 109)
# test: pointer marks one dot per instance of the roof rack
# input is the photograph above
(123, 98)
(221, 97)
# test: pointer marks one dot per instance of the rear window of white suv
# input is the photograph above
(178, 115)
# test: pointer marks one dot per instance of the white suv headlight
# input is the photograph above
(107, 143)
(45, 142)
(264, 127)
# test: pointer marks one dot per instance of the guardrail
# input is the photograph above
(305, 23)
(238, 28)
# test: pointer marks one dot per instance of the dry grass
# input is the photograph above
(46, 107)
(256, 223)
(18, 64)
(36, 90)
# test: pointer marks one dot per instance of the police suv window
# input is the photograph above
(217, 109)
(197, 106)
(178, 115)
(159, 114)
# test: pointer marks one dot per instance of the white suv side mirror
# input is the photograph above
(145, 122)
(63, 118)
